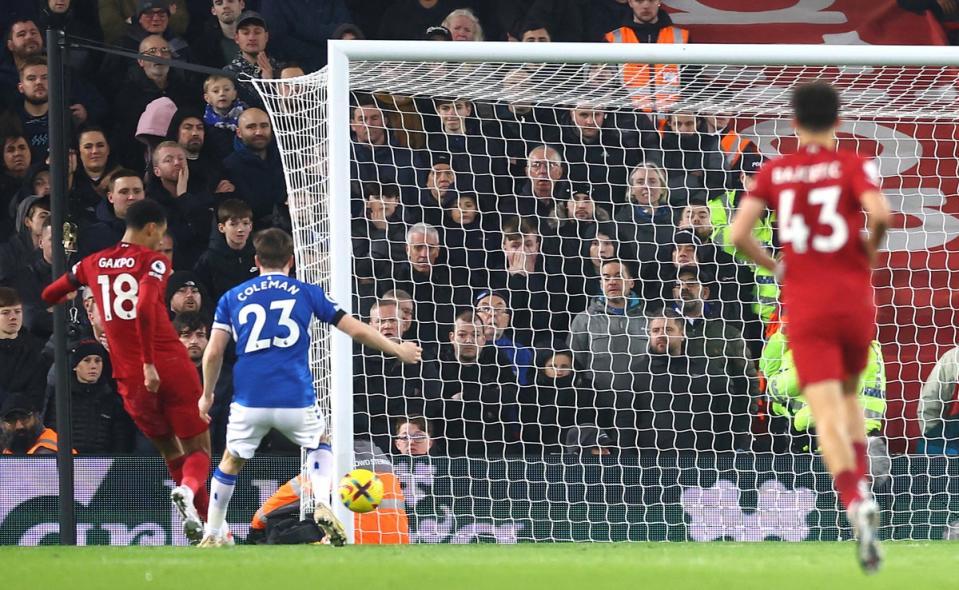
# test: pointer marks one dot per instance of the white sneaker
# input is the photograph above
(864, 517)
(182, 498)
(329, 524)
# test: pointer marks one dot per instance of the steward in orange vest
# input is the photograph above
(655, 90)
(22, 432)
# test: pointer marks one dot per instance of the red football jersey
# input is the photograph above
(129, 285)
(816, 195)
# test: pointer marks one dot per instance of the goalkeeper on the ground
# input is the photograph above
(785, 398)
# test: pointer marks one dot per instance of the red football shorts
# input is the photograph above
(172, 409)
(831, 345)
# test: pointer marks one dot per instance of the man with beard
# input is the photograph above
(708, 335)
(255, 168)
(437, 195)
(33, 110)
(206, 174)
(384, 388)
(22, 431)
(479, 396)
(692, 156)
(22, 368)
(183, 293)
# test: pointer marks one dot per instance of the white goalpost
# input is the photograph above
(690, 444)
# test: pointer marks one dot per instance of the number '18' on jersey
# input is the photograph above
(816, 194)
(269, 317)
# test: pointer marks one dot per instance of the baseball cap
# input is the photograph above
(586, 436)
(145, 5)
(251, 17)
(752, 162)
(438, 34)
(18, 403)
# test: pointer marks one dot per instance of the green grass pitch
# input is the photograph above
(741, 566)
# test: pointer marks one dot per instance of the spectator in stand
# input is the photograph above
(100, 424)
(16, 163)
(708, 334)
(414, 436)
(597, 154)
(379, 240)
(480, 160)
(735, 281)
(492, 309)
(533, 280)
(252, 36)
(683, 403)
(301, 29)
(23, 245)
(939, 408)
(33, 110)
(230, 259)
(193, 329)
(646, 219)
(545, 187)
(479, 396)
(377, 157)
(21, 427)
(255, 168)
(33, 274)
(549, 404)
(116, 16)
(466, 239)
(692, 157)
(577, 217)
(604, 16)
(95, 167)
(534, 32)
(22, 368)
(70, 16)
(598, 245)
(142, 86)
(23, 41)
(408, 19)
(184, 293)
(123, 189)
(588, 440)
(386, 389)
(166, 246)
(406, 308)
(438, 33)
(221, 117)
(464, 25)
(521, 125)
(189, 213)
(429, 282)
(652, 88)
(206, 170)
(609, 338)
(437, 195)
(216, 45)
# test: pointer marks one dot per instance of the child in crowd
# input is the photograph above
(222, 113)
(229, 260)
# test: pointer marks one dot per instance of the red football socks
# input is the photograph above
(175, 467)
(847, 487)
(196, 470)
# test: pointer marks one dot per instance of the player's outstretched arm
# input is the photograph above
(57, 291)
(408, 352)
(212, 365)
(877, 221)
(741, 233)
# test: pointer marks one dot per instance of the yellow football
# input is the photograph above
(361, 491)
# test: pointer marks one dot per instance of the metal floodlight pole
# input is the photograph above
(59, 169)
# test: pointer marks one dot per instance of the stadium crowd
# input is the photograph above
(567, 269)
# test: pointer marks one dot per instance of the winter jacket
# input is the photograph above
(258, 181)
(19, 247)
(221, 267)
(100, 424)
(603, 163)
(189, 219)
(299, 29)
(22, 368)
(479, 161)
(436, 295)
(607, 343)
(106, 232)
(385, 164)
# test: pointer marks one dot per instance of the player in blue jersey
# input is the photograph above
(269, 317)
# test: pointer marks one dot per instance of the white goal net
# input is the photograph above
(599, 362)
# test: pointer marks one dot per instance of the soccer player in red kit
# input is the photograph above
(159, 385)
(820, 194)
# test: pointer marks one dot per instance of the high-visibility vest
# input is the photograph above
(733, 146)
(721, 210)
(47, 440)
(387, 525)
(660, 91)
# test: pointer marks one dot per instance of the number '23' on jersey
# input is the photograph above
(269, 318)
(816, 193)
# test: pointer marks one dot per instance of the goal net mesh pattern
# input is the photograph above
(555, 236)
